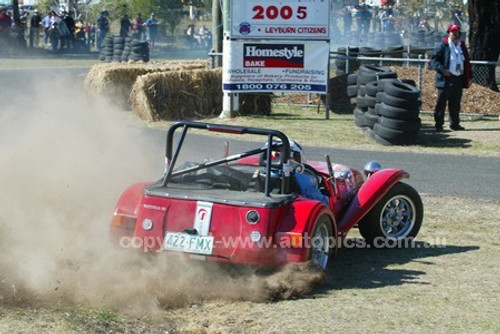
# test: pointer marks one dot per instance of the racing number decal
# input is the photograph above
(273, 12)
(203, 217)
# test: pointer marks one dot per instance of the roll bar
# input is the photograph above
(171, 156)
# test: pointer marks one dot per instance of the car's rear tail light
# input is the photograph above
(122, 226)
(290, 239)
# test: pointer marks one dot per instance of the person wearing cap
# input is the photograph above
(35, 24)
(452, 65)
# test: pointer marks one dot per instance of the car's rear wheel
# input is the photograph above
(397, 216)
(322, 242)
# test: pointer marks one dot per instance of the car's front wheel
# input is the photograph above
(397, 216)
(322, 243)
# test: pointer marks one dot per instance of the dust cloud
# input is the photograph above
(64, 162)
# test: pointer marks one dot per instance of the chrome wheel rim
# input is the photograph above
(398, 217)
(319, 246)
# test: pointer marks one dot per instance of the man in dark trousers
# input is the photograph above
(125, 26)
(452, 64)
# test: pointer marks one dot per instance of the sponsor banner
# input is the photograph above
(275, 67)
(285, 19)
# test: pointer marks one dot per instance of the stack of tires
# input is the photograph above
(340, 64)
(352, 86)
(368, 74)
(127, 50)
(398, 110)
(107, 50)
(118, 47)
(140, 50)
(393, 52)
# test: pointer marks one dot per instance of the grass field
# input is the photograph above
(312, 129)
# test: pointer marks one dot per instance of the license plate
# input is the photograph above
(182, 242)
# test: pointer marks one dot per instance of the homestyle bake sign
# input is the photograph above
(277, 46)
(276, 66)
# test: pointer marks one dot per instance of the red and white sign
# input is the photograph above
(203, 217)
(286, 19)
(289, 66)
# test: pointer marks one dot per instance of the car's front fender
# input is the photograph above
(370, 192)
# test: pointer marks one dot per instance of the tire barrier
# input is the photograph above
(340, 64)
(124, 49)
(398, 109)
(368, 79)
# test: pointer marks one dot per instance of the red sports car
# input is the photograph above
(264, 206)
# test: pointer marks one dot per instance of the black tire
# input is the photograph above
(410, 103)
(381, 83)
(362, 90)
(352, 91)
(119, 46)
(398, 113)
(379, 97)
(118, 40)
(409, 82)
(397, 124)
(372, 88)
(359, 117)
(381, 140)
(361, 102)
(352, 79)
(370, 119)
(397, 137)
(370, 101)
(401, 90)
(373, 69)
(322, 242)
(396, 217)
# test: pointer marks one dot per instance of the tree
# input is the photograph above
(484, 29)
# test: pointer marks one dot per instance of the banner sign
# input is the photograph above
(289, 66)
(286, 19)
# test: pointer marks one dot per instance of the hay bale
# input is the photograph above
(115, 80)
(176, 95)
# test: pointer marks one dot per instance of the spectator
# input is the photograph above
(203, 36)
(452, 65)
(457, 16)
(102, 28)
(70, 25)
(5, 23)
(125, 26)
(152, 25)
(137, 27)
(47, 23)
(190, 35)
(54, 35)
(35, 24)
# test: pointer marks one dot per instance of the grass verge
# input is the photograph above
(311, 128)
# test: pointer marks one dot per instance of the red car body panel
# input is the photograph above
(372, 190)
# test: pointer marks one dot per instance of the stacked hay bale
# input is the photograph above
(168, 90)
(116, 80)
(177, 95)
